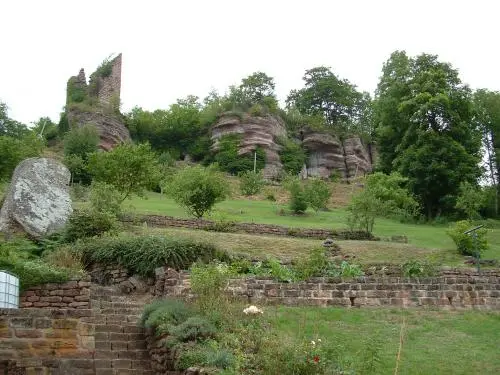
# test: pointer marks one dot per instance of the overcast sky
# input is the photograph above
(175, 48)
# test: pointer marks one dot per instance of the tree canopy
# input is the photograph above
(423, 115)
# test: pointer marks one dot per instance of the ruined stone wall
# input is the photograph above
(46, 341)
(461, 291)
(110, 87)
(251, 228)
(74, 294)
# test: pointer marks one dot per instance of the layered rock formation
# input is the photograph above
(97, 103)
(38, 199)
(350, 157)
(256, 131)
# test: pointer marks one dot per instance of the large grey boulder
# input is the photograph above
(38, 198)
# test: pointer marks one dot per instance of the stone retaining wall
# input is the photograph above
(74, 294)
(250, 228)
(37, 341)
(469, 292)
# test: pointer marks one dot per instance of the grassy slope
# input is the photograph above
(289, 248)
(258, 211)
(435, 342)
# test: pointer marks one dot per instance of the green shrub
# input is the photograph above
(415, 268)
(205, 355)
(230, 160)
(292, 156)
(313, 265)
(466, 245)
(89, 223)
(194, 328)
(197, 189)
(298, 199)
(317, 194)
(208, 282)
(16, 257)
(105, 198)
(251, 183)
(165, 311)
(142, 254)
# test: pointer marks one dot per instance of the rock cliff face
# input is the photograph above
(99, 99)
(38, 199)
(256, 131)
(111, 130)
(327, 154)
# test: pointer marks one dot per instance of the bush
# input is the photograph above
(16, 258)
(230, 160)
(471, 200)
(142, 254)
(205, 355)
(251, 183)
(314, 265)
(317, 194)
(193, 329)
(104, 198)
(88, 223)
(130, 168)
(298, 199)
(208, 282)
(415, 268)
(197, 189)
(292, 156)
(161, 313)
(466, 245)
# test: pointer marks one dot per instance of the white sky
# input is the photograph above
(175, 48)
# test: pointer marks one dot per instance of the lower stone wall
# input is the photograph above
(43, 341)
(251, 228)
(74, 294)
(466, 292)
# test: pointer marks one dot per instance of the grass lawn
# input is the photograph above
(435, 342)
(289, 247)
(259, 211)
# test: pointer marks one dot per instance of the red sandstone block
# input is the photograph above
(26, 304)
(41, 304)
(143, 365)
(121, 363)
(132, 345)
(82, 298)
(108, 328)
(102, 345)
(71, 292)
(28, 333)
(70, 285)
(64, 323)
(33, 298)
(79, 304)
(28, 293)
(79, 313)
(57, 292)
(104, 354)
(132, 329)
(68, 299)
(118, 336)
(104, 371)
(102, 363)
(136, 337)
(51, 299)
(118, 345)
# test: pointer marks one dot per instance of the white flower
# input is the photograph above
(319, 340)
(253, 310)
(313, 343)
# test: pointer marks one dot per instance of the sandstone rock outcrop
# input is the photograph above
(256, 131)
(350, 157)
(97, 103)
(38, 199)
(111, 129)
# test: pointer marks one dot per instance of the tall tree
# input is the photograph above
(336, 100)
(425, 130)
